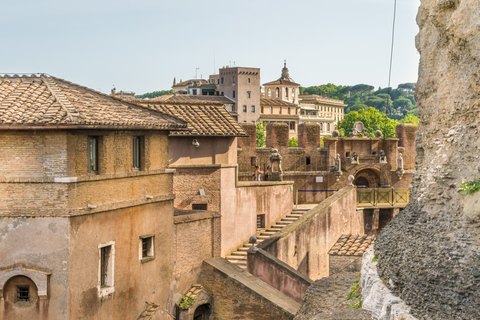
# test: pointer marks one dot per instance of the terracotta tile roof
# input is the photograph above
(183, 98)
(203, 118)
(45, 101)
(275, 102)
(351, 245)
(161, 98)
(281, 82)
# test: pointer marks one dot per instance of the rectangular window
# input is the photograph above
(23, 293)
(147, 248)
(288, 110)
(260, 221)
(233, 93)
(137, 147)
(93, 154)
(279, 110)
(106, 266)
(244, 108)
(292, 126)
(253, 108)
(261, 109)
(249, 94)
(199, 206)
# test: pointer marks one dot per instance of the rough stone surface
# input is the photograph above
(429, 253)
(375, 295)
(326, 299)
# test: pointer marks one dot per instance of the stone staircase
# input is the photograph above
(239, 257)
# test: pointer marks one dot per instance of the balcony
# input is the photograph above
(382, 197)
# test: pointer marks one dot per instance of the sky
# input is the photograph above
(142, 45)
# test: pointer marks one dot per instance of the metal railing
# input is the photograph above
(382, 197)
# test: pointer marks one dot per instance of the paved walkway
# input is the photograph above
(327, 299)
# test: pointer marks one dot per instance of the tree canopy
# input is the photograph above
(154, 94)
(372, 119)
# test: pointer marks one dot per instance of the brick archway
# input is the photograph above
(369, 177)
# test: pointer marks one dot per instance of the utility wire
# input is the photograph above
(391, 50)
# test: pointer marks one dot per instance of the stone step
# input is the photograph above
(290, 219)
(243, 249)
(236, 258)
(268, 233)
(277, 226)
(239, 253)
(263, 237)
(294, 215)
(283, 222)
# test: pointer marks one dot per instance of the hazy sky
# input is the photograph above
(141, 45)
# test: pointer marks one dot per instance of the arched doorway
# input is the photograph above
(368, 178)
(202, 312)
(362, 182)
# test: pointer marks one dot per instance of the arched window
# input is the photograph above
(321, 126)
(286, 92)
(279, 110)
(271, 110)
(328, 126)
(269, 93)
(277, 93)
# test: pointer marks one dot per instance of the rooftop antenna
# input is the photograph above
(214, 69)
(196, 69)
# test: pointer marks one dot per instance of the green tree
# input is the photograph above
(372, 119)
(293, 142)
(403, 103)
(410, 118)
(261, 136)
(408, 85)
(154, 94)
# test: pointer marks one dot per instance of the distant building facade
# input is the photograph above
(284, 88)
(274, 110)
(323, 111)
(242, 85)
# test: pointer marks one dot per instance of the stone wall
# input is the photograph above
(277, 273)
(197, 237)
(429, 253)
(239, 295)
(304, 244)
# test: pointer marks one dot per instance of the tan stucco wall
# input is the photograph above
(212, 150)
(134, 282)
(304, 245)
(240, 206)
(39, 244)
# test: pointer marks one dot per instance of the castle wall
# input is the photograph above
(428, 254)
(304, 244)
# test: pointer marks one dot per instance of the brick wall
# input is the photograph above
(188, 181)
(239, 295)
(197, 237)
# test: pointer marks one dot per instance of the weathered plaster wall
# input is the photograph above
(304, 244)
(197, 237)
(429, 253)
(39, 244)
(134, 282)
(212, 150)
(277, 273)
(241, 204)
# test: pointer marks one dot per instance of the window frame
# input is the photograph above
(106, 287)
(19, 293)
(252, 108)
(92, 153)
(149, 241)
(138, 153)
(244, 108)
